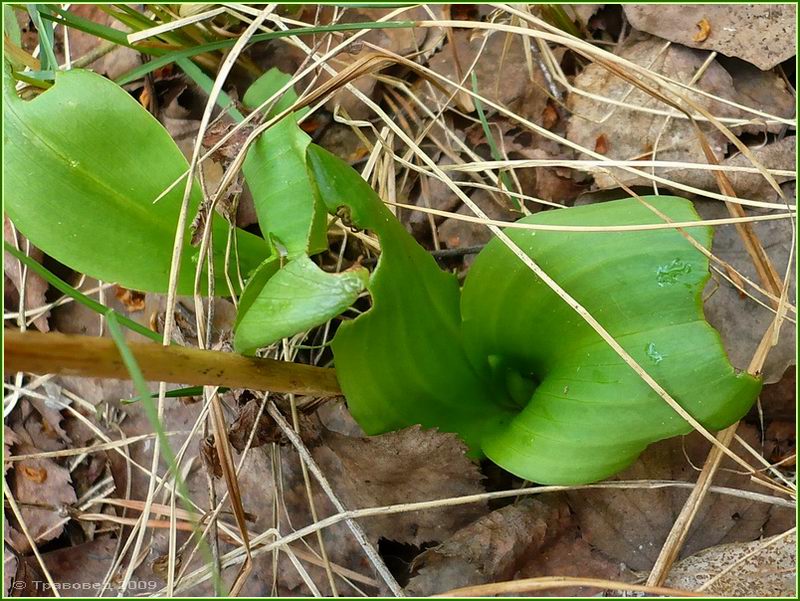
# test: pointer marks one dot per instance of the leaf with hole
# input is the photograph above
(281, 300)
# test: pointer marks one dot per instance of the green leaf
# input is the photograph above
(275, 170)
(46, 36)
(280, 301)
(521, 377)
(645, 288)
(11, 25)
(265, 86)
(83, 164)
(403, 361)
(296, 297)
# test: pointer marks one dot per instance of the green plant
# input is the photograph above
(509, 365)
(504, 362)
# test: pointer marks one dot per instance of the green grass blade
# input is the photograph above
(78, 296)
(46, 37)
(163, 442)
(198, 76)
(173, 56)
(11, 25)
(496, 155)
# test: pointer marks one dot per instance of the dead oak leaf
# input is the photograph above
(629, 526)
(742, 322)
(406, 466)
(492, 548)
(632, 134)
(761, 34)
(41, 488)
(762, 568)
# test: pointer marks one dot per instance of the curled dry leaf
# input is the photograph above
(629, 526)
(761, 34)
(762, 568)
(704, 29)
(240, 430)
(492, 548)
(41, 488)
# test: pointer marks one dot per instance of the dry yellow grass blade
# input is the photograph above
(530, 585)
(55, 353)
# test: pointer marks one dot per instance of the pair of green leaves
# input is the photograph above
(84, 163)
(504, 362)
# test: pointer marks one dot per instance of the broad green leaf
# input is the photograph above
(589, 407)
(521, 376)
(296, 297)
(83, 163)
(403, 361)
(275, 170)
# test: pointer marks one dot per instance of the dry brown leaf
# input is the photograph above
(633, 135)
(35, 286)
(83, 567)
(763, 90)
(454, 233)
(492, 548)
(754, 569)
(501, 71)
(741, 321)
(406, 466)
(571, 555)
(266, 432)
(113, 64)
(10, 563)
(41, 488)
(761, 34)
(582, 12)
(402, 41)
(630, 525)
(753, 186)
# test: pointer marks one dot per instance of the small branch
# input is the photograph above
(88, 356)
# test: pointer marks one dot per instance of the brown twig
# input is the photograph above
(54, 353)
